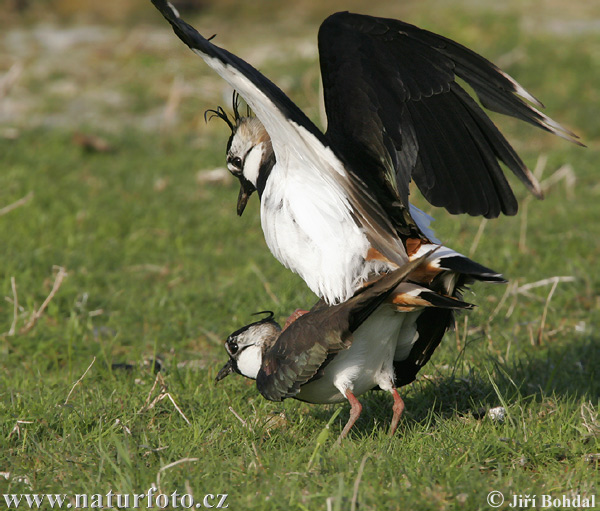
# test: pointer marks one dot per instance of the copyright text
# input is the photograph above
(496, 499)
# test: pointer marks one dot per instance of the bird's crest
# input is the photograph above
(268, 318)
(232, 121)
(259, 322)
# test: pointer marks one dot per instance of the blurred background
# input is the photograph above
(113, 65)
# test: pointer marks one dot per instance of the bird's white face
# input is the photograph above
(249, 361)
(250, 146)
(246, 346)
(249, 153)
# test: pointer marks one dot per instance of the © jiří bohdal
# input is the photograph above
(573, 501)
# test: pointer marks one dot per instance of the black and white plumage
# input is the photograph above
(334, 205)
(325, 355)
(395, 113)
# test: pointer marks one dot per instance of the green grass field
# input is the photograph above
(104, 155)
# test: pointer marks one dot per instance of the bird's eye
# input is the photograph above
(236, 162)
(232, 347)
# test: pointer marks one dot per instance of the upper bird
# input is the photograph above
(334, 205)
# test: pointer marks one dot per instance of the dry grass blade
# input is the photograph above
(177, 407)
(174, 99)
(566, 174)
(589, 418)
(540, 166)
(38, 313)
(79, 381)
(13, 325)
(510, 290)
(545, 313)
(17, 429)
(354, 503)
(244, 422)
(158, 379)
(163, 394)
(523, 229)
(265, 283)
(513, 305)
(544, 282)
(258, 462)
(10, 78)
(171, 465)
(118, 422)
(16, 204)
(475, 243)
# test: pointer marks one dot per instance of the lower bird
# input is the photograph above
(325, 355)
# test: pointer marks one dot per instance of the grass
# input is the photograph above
(159, 268)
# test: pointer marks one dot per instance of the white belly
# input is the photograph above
(384, 337)
(309, 228)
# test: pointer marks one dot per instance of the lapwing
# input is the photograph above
(325, 356)
(334, 204)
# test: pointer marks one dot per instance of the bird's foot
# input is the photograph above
(398, 408)
(355, 409)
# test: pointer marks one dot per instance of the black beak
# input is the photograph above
(246, 189)
(226, 370)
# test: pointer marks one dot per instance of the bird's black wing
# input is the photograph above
(393, 104)
(302, 350)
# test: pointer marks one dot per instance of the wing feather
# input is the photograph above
(391, 87)
(302, 349)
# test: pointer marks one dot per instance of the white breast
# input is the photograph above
(309, 228)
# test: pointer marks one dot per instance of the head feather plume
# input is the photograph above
(221, 114)
(232, 122)
(259, 322)
(265, 319)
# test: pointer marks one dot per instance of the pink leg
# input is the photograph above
(398, 408)
(295, 315)
(355, 409)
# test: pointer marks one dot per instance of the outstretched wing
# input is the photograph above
(393, 102)
(298, 144)
(305, 347)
